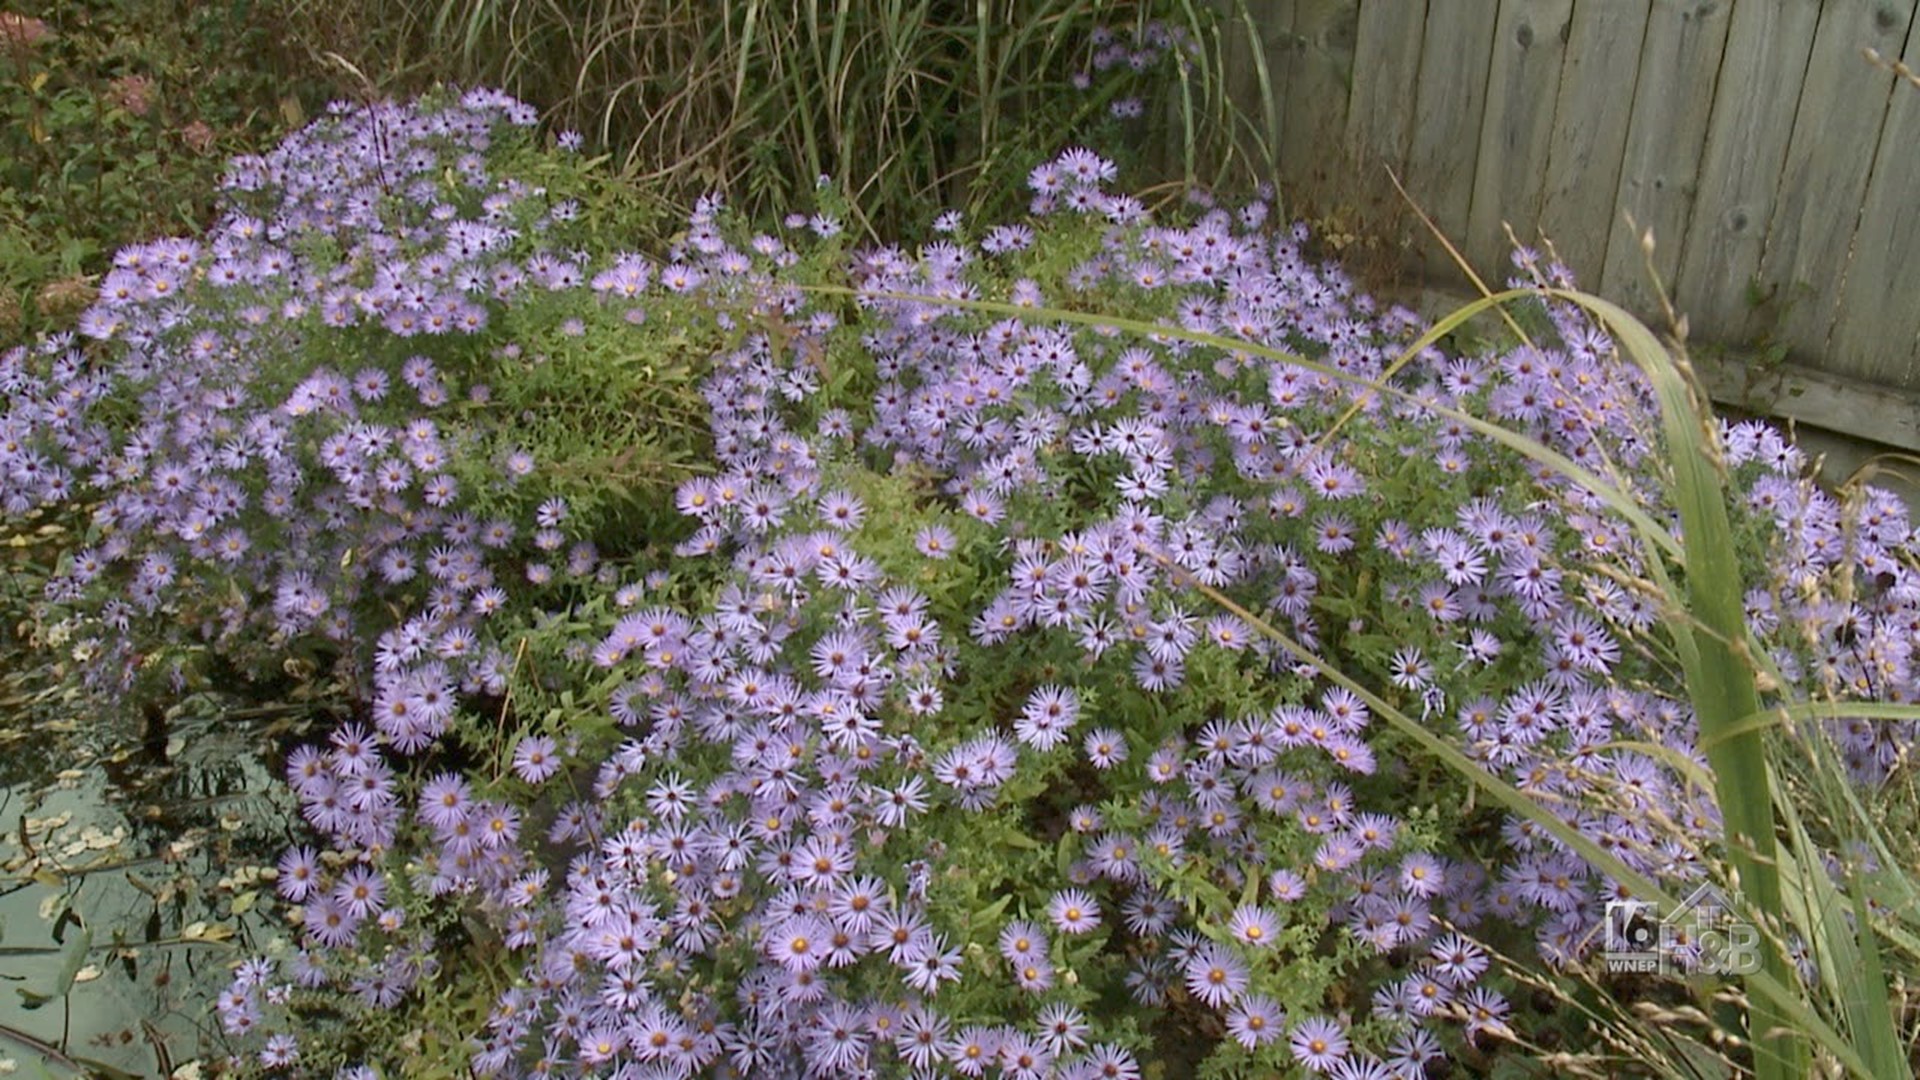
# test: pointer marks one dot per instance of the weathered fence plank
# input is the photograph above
(1589, 135)
(1245, 51)
(1386, 73)
(1672, 102)
(1320, 50)
(1529, 44)
(1879, 316)
(1842, 107)
(1275, 20)
(1778, 172)
(1753, 115)
(1811, 396)
(1448, 109)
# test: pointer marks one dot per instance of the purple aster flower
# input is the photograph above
(1062, 1027)
(1287, 886)
(842, 510)
(1073, 912)
(1458, 960)
(1148, 913)
(922, 1038)
(1423, 875)
(535, 759)
(299, 873)
(281, 1052)
(1254, 926)
(934, 541)
(361, 891)
(1085, 819)
(1351, 754)
(1157, 673)
(1105, 748)
(857, 902)
(837, 1039)
(1022, 941)
(1333, 534)
(1109, 1062)
(973, 1049)
(931, 965)
(1318, 1043)
(1410, 670)
(1049, 715)
(1255, 1020)
(799, 943)
(1034, 975)
(1116, 856)
(1412, 1050)
(1586, 642)
(330, 922)
(1216, 975)
(1228, 632)
(444, 801)
(1486, 1010)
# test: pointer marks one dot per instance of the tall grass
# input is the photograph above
(913, 103)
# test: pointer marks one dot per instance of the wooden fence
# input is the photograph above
(1778, 170)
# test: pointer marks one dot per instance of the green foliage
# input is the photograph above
(115, 122)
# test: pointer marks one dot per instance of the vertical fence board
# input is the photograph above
(1386, 69)
(1321, 51)
(1672, 102)
(1275, 19)
(1753, 116)
(1529, 45)
(1777, 170)
(1842, 107)
(1255, 144)
(1446, 127)
(1590, 118)
(1879, 316)
(1263, 25)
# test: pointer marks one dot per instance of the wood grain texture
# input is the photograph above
(1449, 105)
(1753, 117)
(1878, 322)
(1666, 136)
(1320, 59)
(1386, 73)
(1810, 395)
(1243, 30)
(1589, 136)
(1836, 131)
(1516, 134)
(1778, 171)
(1247, 40)
(1275, 19)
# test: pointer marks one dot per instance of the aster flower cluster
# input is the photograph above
(944, 767)
(256, 488)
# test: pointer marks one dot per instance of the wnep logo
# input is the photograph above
(1702, 935)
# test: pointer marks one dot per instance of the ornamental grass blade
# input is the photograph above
(1712, 645)
(1851, 972)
